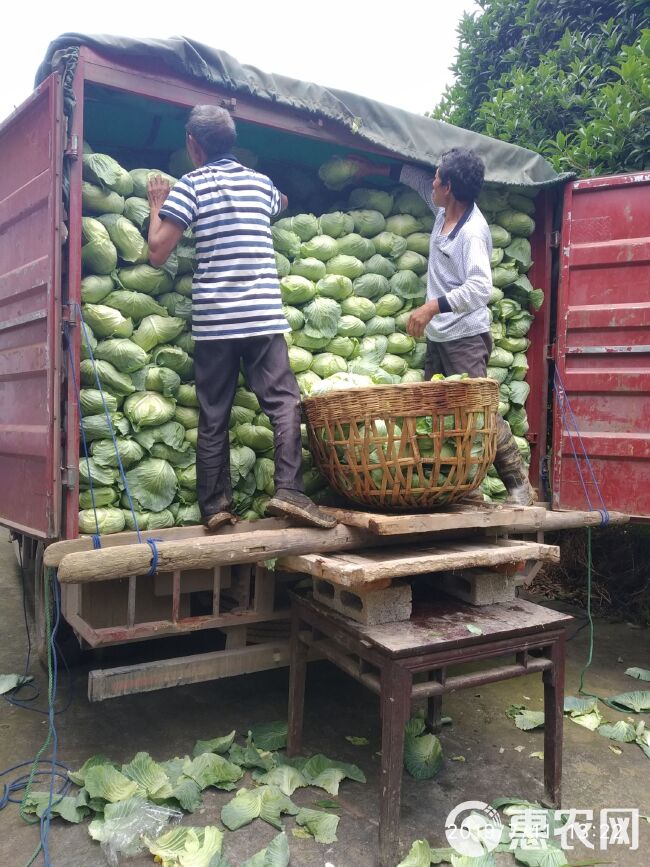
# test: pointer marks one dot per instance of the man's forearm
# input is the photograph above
(432, 308)
(162, 238)
(419, 180)
(163, 235)
(153, 236)
(155, 224)
(421, 317)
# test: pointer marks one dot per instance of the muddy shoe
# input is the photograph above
(213, 522)
(473, 498)
(522, 494)
(298, 507)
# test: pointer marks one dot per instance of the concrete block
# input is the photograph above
(479, 586)
(370, 607)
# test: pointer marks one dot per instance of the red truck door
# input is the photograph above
(603, 346)
(31, 148)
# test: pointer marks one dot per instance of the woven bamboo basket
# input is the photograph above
(415, 445)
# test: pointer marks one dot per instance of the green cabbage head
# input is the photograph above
(148, 409)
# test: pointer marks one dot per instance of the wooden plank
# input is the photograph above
(206, 552)
(70, 599)
(194, 581)
(452, 518)
(130, 608)
(235, 637)
(176, 594)
(365, 567)
(264, 596)
(216, 589)
(107, 636)
(163, 673)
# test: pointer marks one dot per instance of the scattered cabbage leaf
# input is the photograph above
(320, 824)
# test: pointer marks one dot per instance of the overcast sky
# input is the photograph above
(396, 52)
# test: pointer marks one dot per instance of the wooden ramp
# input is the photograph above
(367, 567)
(109, 595)
(461, 517)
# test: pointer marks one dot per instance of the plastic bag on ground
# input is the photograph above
(126, 823)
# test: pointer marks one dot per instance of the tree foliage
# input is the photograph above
(566, 78)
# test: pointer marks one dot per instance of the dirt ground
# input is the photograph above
(168, 722)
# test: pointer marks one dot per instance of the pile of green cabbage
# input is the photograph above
(349, 279)
(513, 304)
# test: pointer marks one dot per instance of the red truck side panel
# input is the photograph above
(603, 343)
(31, 142)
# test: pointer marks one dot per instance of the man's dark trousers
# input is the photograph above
(268, 374)
(466, 355)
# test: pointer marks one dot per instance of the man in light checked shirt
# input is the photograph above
(455, 317)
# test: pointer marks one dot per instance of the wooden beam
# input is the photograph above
(205, 552)
(108, 636)
(364, 568)
(55, 552)
(574, 520)
(149, 676)
(527, 520)
(472, 679)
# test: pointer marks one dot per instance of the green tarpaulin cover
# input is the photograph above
(408, 136)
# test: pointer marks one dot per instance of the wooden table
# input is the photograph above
(385, 658)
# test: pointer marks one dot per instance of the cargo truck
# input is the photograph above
(590, 342)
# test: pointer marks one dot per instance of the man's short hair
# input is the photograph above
(212, 128)
(465, 171)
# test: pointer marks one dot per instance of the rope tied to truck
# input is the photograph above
(96, 537)
(567, 415)
(154, 556)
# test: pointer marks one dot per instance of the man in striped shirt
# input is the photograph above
(237, 315)
(454, 317)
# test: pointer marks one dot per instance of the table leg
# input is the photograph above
(297, 671)
(434, 705)
(553, 723)
(395, 701)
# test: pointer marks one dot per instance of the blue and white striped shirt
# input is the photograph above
(235, 290)
(459, 267)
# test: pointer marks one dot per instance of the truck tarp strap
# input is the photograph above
(409, 137)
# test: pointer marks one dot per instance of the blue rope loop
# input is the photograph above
(83, 431)
(40, 777)
(110, 424)
(154, 556)
(97, 539)
(566, 412)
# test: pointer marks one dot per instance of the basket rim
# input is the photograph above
(377, 390)
(405, 399)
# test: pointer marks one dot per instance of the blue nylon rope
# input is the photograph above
(565, 407)
(154, 556)
(96, 544)
(110, 425)
(96, 539)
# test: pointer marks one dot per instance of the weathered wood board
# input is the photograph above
(367, 566)
(453, 518)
